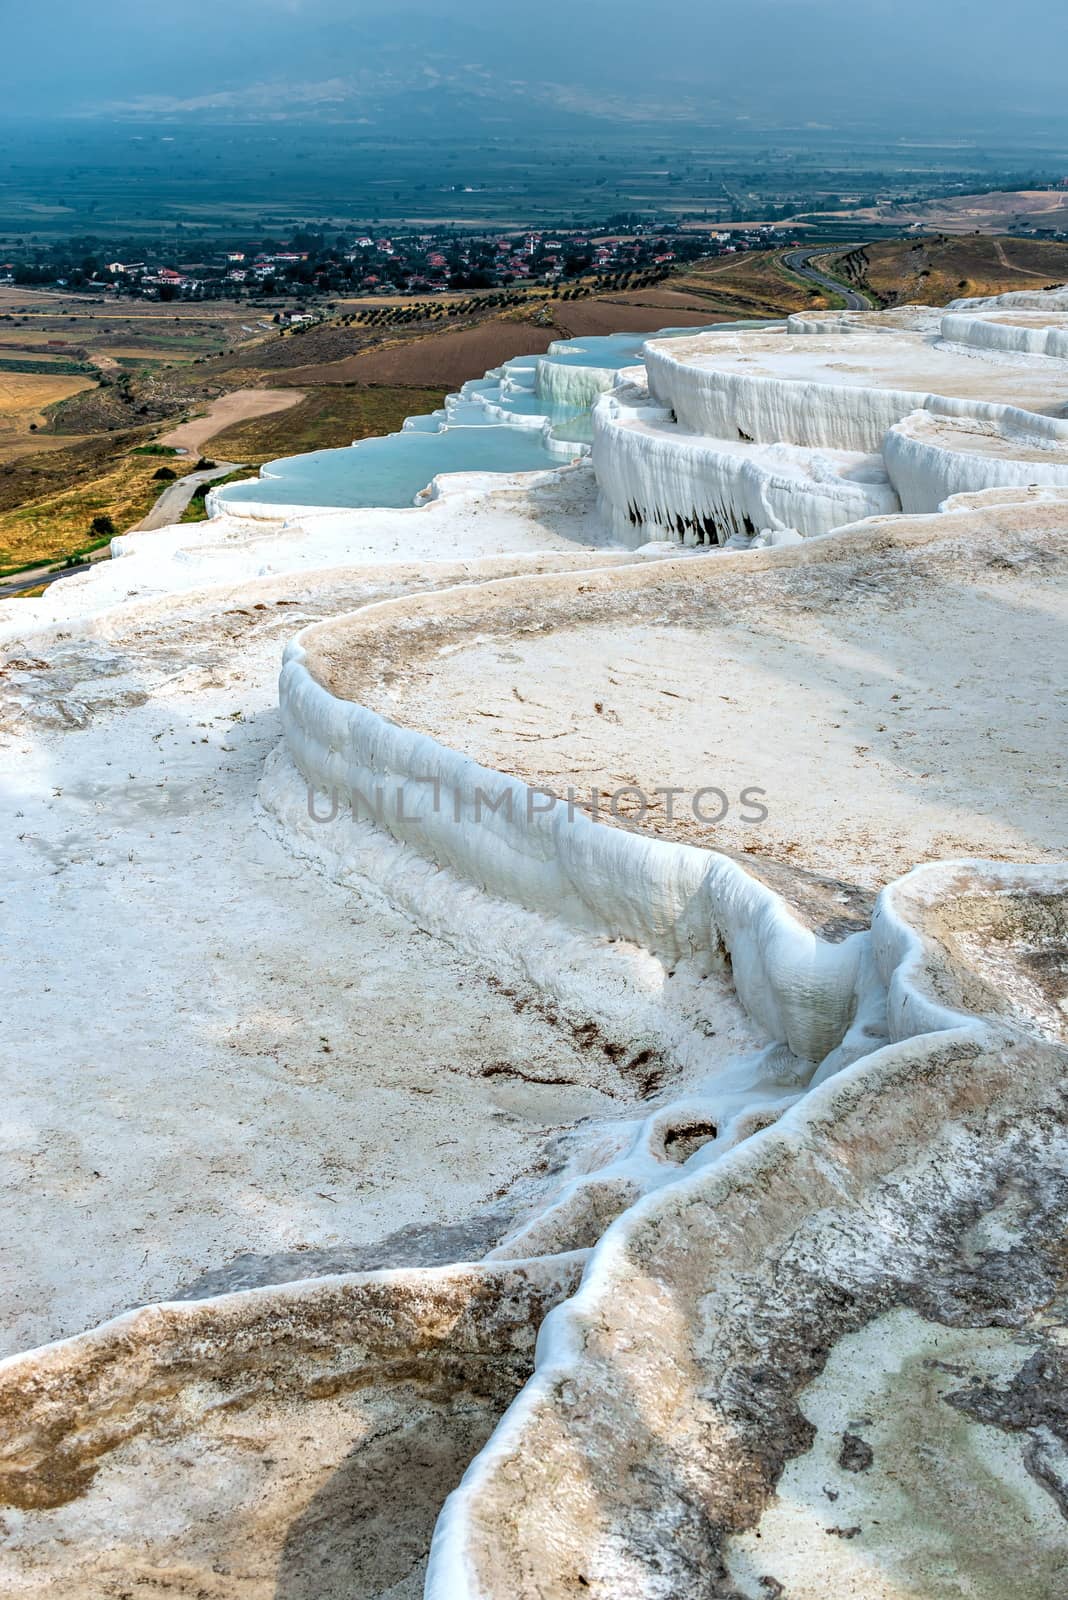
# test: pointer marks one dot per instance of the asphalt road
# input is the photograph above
(39, 578)
(798, 261)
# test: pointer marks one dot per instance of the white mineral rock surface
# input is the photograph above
(595, 1196)
(654, 475)
(914, 319)
(833, 696)
(930, 458)
(1033, 333)
(840, 390)
(727, 435)
(572, 386)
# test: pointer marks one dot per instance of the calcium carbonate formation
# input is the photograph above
(784, 1319)
(836, 416)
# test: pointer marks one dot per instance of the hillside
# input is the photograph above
(936, 270)
(367, 364)
(360, 370)
(996, 212)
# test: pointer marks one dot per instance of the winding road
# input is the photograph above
(172, 502)
(799, 262)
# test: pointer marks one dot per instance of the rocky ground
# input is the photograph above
(514, 1211)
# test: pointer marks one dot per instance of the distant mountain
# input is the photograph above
(430, 96)
(899, 65)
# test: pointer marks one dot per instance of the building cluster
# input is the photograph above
(427, 262)
(233, 268)
(430, 262)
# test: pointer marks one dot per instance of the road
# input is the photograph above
(174, 499)
(798, 261)
(167, 510)
(1010, 266)
(36, 578)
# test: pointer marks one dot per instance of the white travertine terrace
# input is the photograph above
(845, 1241)
(1054, 299)
(839, 390)
(820, 672)
(1023, 333)
(659, 481)
(639, 1458)
(746, 1235)
(930, 458)
(782, 1316)
(735, 434)
(908, 319)
(570, 385)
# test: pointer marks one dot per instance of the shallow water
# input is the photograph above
(472, 434)
(391, 471)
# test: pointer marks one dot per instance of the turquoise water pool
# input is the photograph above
(392, 470)
(472, 434)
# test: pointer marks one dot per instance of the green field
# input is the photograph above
(48, 369)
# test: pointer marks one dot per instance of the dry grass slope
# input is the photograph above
(937, 270)
(55, 525)
(326, 419)
(25, 398)
(749, 285)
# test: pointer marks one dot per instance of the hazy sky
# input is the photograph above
(798, 58)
